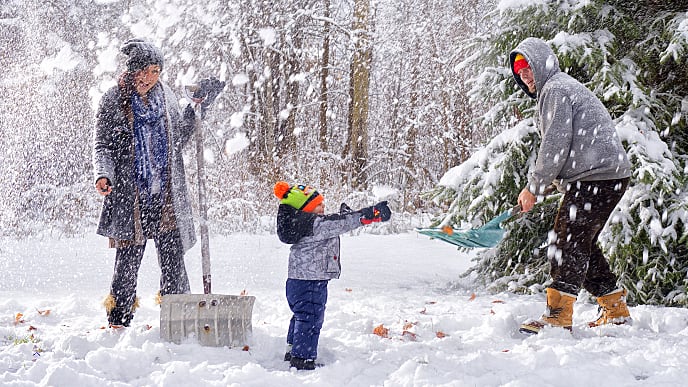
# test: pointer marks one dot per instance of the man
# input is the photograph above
(582, 155)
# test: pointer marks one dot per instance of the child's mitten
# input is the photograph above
(385, 212)
(377, 213)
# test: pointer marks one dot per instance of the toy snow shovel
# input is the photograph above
(489, 235)
(210, 319)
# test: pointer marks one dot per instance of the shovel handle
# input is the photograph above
(190, 90)
(202, 203)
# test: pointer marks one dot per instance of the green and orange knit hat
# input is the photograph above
(302, 197)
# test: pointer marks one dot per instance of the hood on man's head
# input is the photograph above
(141, 54)
(540, 58)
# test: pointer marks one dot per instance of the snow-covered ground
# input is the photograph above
(442, 330)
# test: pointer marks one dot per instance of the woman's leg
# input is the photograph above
(173, 277)
(123, 286)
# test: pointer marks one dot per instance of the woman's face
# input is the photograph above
(145, 79)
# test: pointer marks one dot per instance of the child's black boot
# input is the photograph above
(303, 364)
(287, 355)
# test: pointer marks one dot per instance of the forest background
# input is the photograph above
(364, 100)
(343, 96)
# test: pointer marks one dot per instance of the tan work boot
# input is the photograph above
(559, 313)
(613, 309)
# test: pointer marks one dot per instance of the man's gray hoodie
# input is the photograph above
(579, 141)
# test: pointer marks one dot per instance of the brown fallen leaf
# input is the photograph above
(381, 331)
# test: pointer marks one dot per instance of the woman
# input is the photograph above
(139, 136)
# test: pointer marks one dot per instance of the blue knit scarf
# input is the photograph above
(151, 143)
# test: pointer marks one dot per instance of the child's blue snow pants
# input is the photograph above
(307, 301)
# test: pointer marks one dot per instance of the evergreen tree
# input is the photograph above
(634, 61)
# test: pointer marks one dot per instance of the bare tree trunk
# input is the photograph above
(449, 120)
(270, 106)
(357, 144)
(286, 140)
(261, 142)
(412, 132)
(324, 74)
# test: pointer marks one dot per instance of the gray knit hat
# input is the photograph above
(141, 54)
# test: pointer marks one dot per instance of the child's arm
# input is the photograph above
(334, 225)
(330, 226)
(294, 226)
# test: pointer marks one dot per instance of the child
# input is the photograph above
(313, 261)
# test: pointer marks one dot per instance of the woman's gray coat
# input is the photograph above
(113, 158)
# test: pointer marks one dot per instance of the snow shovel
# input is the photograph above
(211, 319)
(489, 235)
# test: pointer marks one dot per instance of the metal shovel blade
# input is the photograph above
(213, 320)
